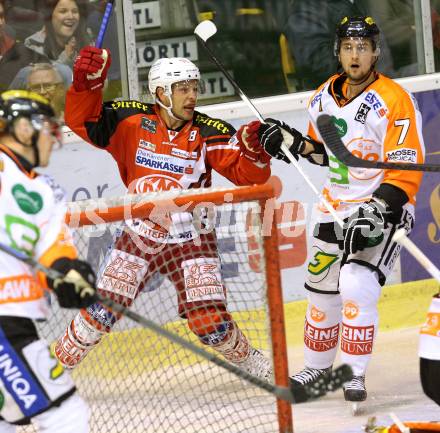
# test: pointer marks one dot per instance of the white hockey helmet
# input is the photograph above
(167, 71)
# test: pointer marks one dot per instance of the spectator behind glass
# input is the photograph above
(45, 80)
(64, 32)
(397, 21)
(310, 30)
(24, 17)
(13, 55)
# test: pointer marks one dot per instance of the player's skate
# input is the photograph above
(257, 365)
(309, 383)
(355, 392)
(312, 383)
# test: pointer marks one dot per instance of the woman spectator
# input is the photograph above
(64, 32)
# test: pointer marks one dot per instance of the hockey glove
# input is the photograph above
(90, 68)
(77, 288)
(250, 145)
(364, 229)
(274, 133)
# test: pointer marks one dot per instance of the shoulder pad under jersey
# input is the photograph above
(210, 126)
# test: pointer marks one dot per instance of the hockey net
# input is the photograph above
(137, 381)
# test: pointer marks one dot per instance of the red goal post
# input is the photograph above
(174, 388)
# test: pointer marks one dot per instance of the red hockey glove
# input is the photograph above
(90, 68)
(250, 145)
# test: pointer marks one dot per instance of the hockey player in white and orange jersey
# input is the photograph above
(377, 120)
(33, 388)
(158, 147)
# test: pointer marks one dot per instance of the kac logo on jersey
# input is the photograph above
(361, 115)
(155, 182)
(149, 125)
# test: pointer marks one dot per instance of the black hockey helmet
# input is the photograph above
(15, 104)
(357, 27)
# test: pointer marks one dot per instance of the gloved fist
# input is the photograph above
(364, 229)
(77, 288)
(90, 68)
(274, 133)
(250, 144)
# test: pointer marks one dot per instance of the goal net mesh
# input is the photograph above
(136, 381)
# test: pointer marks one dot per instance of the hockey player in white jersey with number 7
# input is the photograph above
(377, 120)
(34, 388)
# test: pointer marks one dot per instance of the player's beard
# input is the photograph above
(357, 80)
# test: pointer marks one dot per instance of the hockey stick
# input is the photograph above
(104, 23)
(100, 38)
(331, 137)
(413, 249)
(279, 392)
(204, 31)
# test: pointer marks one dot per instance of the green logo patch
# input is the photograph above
(29, 202)
(341, 126)
(2, 400)
(23, 234)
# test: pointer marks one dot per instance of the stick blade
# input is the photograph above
(330, 135)
(205, 30)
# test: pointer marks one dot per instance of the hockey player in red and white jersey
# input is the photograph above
(377, 120)
(34, 388)
(159, 147)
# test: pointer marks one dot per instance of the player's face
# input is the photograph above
(24, 130)
(357, 57)
(184, 96)
(65, 18)
(49, 137)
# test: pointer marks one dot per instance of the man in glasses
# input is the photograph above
(45, 80)
(32, 221)
(158, 147)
